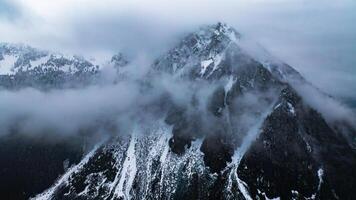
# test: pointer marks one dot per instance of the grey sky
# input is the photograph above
(316, 37)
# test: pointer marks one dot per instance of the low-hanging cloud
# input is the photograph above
(110, 107)
(331, 109)
(64, 111)
(315, 37)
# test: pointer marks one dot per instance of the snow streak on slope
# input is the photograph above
(161, 172)
(204, 65)
(128, 171)
(229, 84)
(320, 173)
(159, 150)
(240, 152)
(179, 169)
(140, 166)
(7, 64)
(320, 176)
(48, 194)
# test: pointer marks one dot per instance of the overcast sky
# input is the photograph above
(317, 37)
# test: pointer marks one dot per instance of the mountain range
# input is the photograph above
(247, 132)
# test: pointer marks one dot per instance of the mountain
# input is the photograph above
(25, 66)
(28, 165)
(253, 137)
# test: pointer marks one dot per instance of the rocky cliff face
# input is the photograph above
(256, 139)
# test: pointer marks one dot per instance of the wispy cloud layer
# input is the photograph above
(316, 37)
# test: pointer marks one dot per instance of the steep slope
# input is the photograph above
(30, 163)
(298, 155)
(256, 138)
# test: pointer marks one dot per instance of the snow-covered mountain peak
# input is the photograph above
(17, 48)
(220, 31)
(25, 66)
(200, 54)
(15, 58)
(119, 60)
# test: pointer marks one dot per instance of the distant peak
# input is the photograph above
(14, 45)
(224, 28)
(119, 60)
(18, 48)
(220, 29)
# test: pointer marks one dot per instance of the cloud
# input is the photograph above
(63, 112)
(8, 10)
(106, 107)
(315, 37)
(332, 110)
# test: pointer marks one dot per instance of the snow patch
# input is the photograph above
(7, 65)
(38, 62)
(217, 60)
(320, 176)
(291, 108)
(204, 65)
(229, 84)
